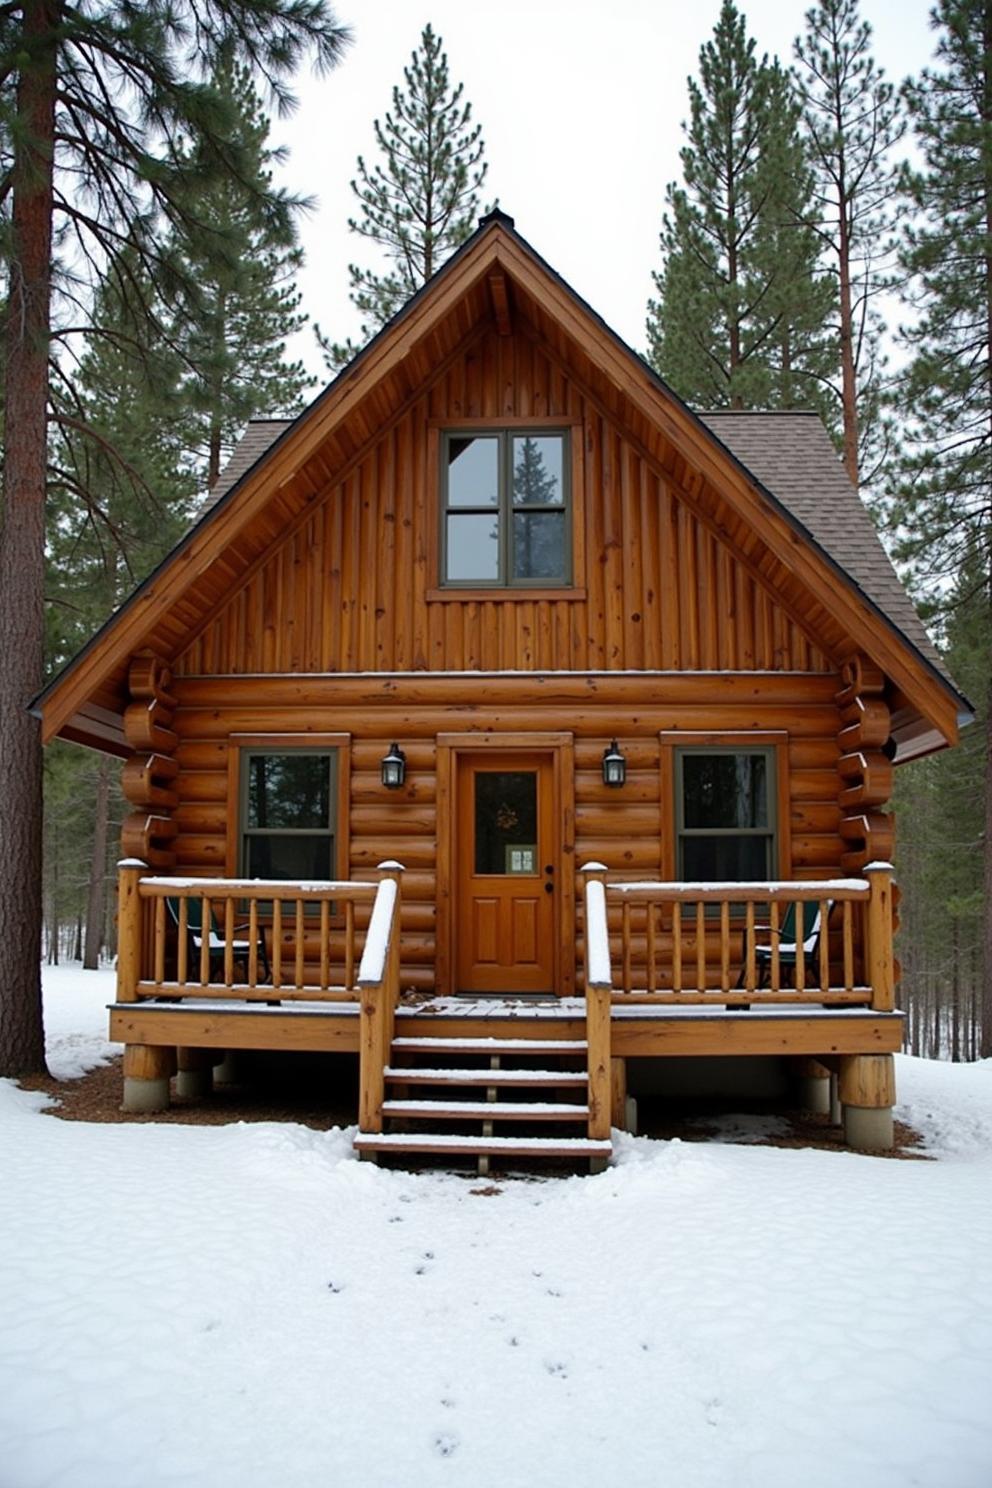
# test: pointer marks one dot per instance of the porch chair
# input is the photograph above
(217, 945)
(788, 949)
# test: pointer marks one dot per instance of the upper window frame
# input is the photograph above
(505, 432)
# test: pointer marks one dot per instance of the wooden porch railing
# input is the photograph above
(686, 943)
(379, 981)
(306, 932)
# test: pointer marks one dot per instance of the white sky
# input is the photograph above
(581, 104)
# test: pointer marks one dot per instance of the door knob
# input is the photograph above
(549, 888)
(549, 867)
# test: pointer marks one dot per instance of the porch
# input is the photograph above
(664, 970)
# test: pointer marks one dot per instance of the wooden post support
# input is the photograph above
(618, 1093)
(129, 871)
(881, 971)
(814, 1086)
(379, 992)
(147, 1070)
(867, 1089)
(195, 1073)
(598, 1034)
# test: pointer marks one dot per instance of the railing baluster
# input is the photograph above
(700, 946)
(159, 941)
(824, 946)
(628, 982)
(677, 948)
(228, 941)
(773, 923)
(725, 946)
(253, 943)
(652, 949)
(848, 946)
(277, 942)
(182, 947)
(751, 968)
(299, 944)
(800, 947)
(349, 946)
(205, 923)
(325, 915)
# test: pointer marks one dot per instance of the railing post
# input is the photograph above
(599, 987)
(881, 972)
(377, 1011)
(129, 937)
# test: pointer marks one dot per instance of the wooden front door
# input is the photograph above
(505, 873)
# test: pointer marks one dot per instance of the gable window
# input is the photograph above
(288, 813)
(725, 814)
(505, 509)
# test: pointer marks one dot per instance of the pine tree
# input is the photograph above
(741, 307)
(93, 102)
(422, 198)
(943, 511)
(247, 302)
(852, 125)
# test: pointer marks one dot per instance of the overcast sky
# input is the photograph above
(581, 104)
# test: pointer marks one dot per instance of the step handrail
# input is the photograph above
(599, 988)
(379, 990)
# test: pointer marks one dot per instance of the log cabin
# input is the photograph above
(502, 722)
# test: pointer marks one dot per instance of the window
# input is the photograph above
(725, 803)
(288, 813)
(505, 509)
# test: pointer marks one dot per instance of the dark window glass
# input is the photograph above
(505, 819)
(725, 859)
(288, 790)
(725, 790)
(297, 857)
(473, 472)
(288, 823)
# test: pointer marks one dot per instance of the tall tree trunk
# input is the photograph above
(96, 898)
(22, 543)
(986, 1047)
(849, 388)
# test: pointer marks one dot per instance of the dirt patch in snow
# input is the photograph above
(321, 1095)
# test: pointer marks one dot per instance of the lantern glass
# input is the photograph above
(614, 765)
(393, 767)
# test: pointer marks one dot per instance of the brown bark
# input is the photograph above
(22, 546)
(96, 898)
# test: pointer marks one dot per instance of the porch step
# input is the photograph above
(475, 1110)
(560, 1079)
(482, 1146)
(490, 1046)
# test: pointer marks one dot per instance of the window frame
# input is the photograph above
(504, 433)
(773, 743)
(337, 747)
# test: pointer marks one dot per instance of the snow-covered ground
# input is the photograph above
(249, 1305)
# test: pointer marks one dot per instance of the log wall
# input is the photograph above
(353, 584)
(627, 829)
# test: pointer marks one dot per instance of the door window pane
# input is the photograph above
(473, 471)
(505, 821)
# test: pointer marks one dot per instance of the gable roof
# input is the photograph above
(799, 499)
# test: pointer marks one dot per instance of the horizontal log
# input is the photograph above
(202, 754)
(148, 677)
(639, 787)
(202, 785)
(425, 689)
(867, 1080)
(405, 723)
(148, 780)
(146, 726)
(642, 755)
(618, 818)
(366, 852)
(813, 785)
(390, 817)
(367, 789)
(813, 754)
(366, 754)
(207, 817)
(618, 852)
(815, 817)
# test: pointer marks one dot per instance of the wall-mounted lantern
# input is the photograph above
(614, 765)
(393, 767)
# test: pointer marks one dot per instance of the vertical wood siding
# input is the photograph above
(346, 588)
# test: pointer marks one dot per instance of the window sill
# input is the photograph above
(568, 595)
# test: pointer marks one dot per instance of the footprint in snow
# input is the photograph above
(557, 1369)
(445, 1443)
(332, 1286)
